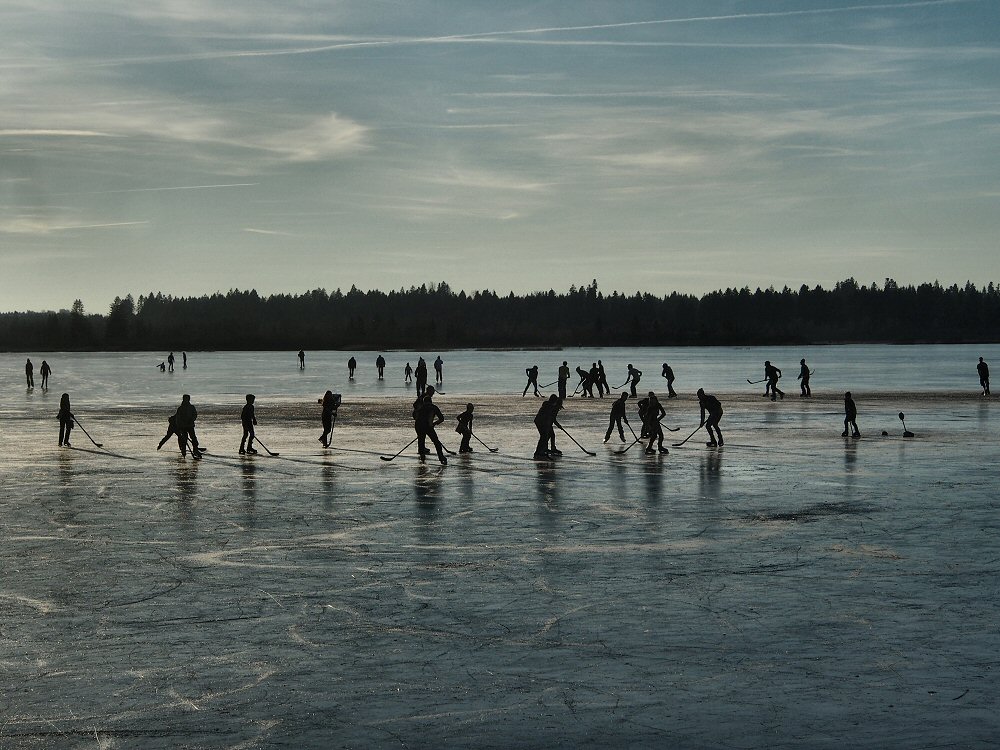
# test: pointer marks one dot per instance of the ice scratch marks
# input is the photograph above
(41, 605)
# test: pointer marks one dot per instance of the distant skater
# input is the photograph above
(804, 377)
(564, 376)
(633, 378)
(427, 416)
(595, 378)
(352, 365)
(407, 373)
(602, 378)
(162, 366)
(532, 373)
(170, 362)
(248, 418)
(710, 404)
(586, 384)
(331, 402)
(439, 370)
(772, 374)
(545, 420)
(184, 360)
(982, 368)
(66, 422)
(184, 419)
(302, 360)
(380, 365)
(464, 428)
(668, 373)
(617, 417)
(45, 371)
(654, 430)
(29, 373)
(421, 376)
(850, 416)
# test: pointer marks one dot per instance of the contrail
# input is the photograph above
(160, 189)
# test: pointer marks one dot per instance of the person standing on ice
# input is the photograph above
(982, 368)
(634, 376)
(421, 376)
(184, 359)
(804, 377)
(407, 373)
(352, 365)
(464, 428)
(532, 373)
(850, 416)
(184, 419)
(66, 423)
(29, 373)
(654, 430)
(380, 364)
(439, 369)
(427, 416)
(545, 420)
(331, 402)
(302, 360)
(170, 362)
(668, 373)
(248, 418)
(772, 374)
(713, 407)
(564, 375)
(45, 370)
(595, 378)
(602, 378)
(617, 417)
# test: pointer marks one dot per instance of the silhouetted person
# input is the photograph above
(331, 402)
(464, 428)
(564, 376)
(66, 422)
(162, 366)
(586, 385)
(439, 369)
(184, 360)
(532, 373)
(668, 373)
(45, 371)
(29, 373)
(248, 418)
(850, 416)
(170, 362)
(641, 406)
(184, 419)
(654, 430)
(617, 417)
(302, 360)
(380, 364)
(595, 378)
(427, 416)
(602, 378)
(421, 376)
(804, 377)
(407, 373)
(772, 374)
(545, 421)
(710, 404)
(633, 378)
(352, 365)
(982, 368)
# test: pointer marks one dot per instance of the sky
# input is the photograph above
(195, 146)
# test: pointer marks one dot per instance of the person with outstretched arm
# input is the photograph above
(532, 373)
(464, 428)
(29, 373)
(439, 369)
(713, 407)
(633, 379)
(564, 376)
(850, 416)
(45, 370)
(380, 364)
(804, 377)
(330, 402)
(171, 431)
(66, 422)
(772, 374)
(668, 374)
(982, 368)
(654, 430)
(427, 416)
(545, 421)
(352, 365)
(248, 418)
(407, 374)
(184, 419)
(617, 417)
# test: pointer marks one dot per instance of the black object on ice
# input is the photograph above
(906, 432)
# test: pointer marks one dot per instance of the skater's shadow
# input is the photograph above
(186, 478)
(426, 488)
(249, 484)
(710, 475)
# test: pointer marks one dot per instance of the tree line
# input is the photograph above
(435, 317)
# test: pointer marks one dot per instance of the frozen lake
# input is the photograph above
(793, 589)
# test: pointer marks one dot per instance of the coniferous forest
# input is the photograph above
(435, 317)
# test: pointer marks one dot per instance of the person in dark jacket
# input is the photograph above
(427, 416)
(184, 419)
(850, 416)
(248, 418)
(545, 420)
(713, 407)
(464, 428)
(982, 368)
(532, 373)
(331, 402)
(66, 422)
(617, 417)
(668, 373)
(352, 365)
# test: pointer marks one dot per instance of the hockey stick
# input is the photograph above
(491, 450)
(589, 453)
(678, 445)
(390, 458)
(99, 445)
(266, 449)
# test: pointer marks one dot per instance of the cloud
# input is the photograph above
(28, 224)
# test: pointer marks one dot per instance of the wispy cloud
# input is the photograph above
(38, 225)
(268, 232)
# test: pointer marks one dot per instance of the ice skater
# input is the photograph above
(427, 416)
(330, 402)
(772, 374)
(45, 371)
(602, 378)
(421, 376)
(171, 431)
(532, 373)
(654, 430)
(162, 366)
(982, 368)
(713, 407)
(302, 360)
(170, 362)
(29, 373)
(184, 359)
(66, 422)
(380, 365)
(352, 365)
(850, 416)
(586, 384)
(804, 377)
(668, 373)
(545, 420)
(595, 378)
(248, 418)
(184, 419)
(633, 379)
(464, 428)
(617, 417)
(439, 370)
(564, 376)
(407, 374)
